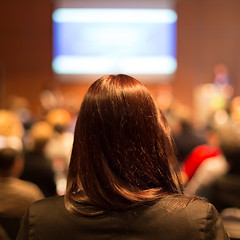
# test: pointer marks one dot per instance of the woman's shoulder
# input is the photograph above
(182, 214)
(185, 211)
(183, 204)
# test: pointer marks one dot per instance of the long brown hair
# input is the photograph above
(122, 153)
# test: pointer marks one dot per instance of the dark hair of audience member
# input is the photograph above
(7, 160)
(231, 150)
(122, 153)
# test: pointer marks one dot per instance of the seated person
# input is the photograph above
(15, 194)
(122, 179)
(210, 170)
(204, 165)
(208, 163)
(186, 138)
(38, 168)
(226, 189)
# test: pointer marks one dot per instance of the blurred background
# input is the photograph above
(207, 34)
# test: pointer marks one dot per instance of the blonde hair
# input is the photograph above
(10, 124)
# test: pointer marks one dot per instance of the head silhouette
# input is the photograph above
(122, 153)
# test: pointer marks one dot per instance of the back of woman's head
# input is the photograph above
(122, 153)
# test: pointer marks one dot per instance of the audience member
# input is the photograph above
(205, 176)
(60, 144)
(10, 124)
(226, 190)
(15, 195)
(186, 139)
(58, 149)
(20, 105)
(38, 168)
(200, 154)
(122, 178)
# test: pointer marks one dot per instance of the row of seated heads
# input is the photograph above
(15, 138)
(118, 122)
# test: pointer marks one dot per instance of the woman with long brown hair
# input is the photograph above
(122, 180)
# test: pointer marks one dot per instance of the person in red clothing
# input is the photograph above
(204, 166)
(200, 154)
(197, 156)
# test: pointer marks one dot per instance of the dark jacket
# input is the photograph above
(38, 169)
(48, 220)
(226, 192)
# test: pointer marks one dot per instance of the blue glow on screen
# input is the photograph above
(108, 41)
